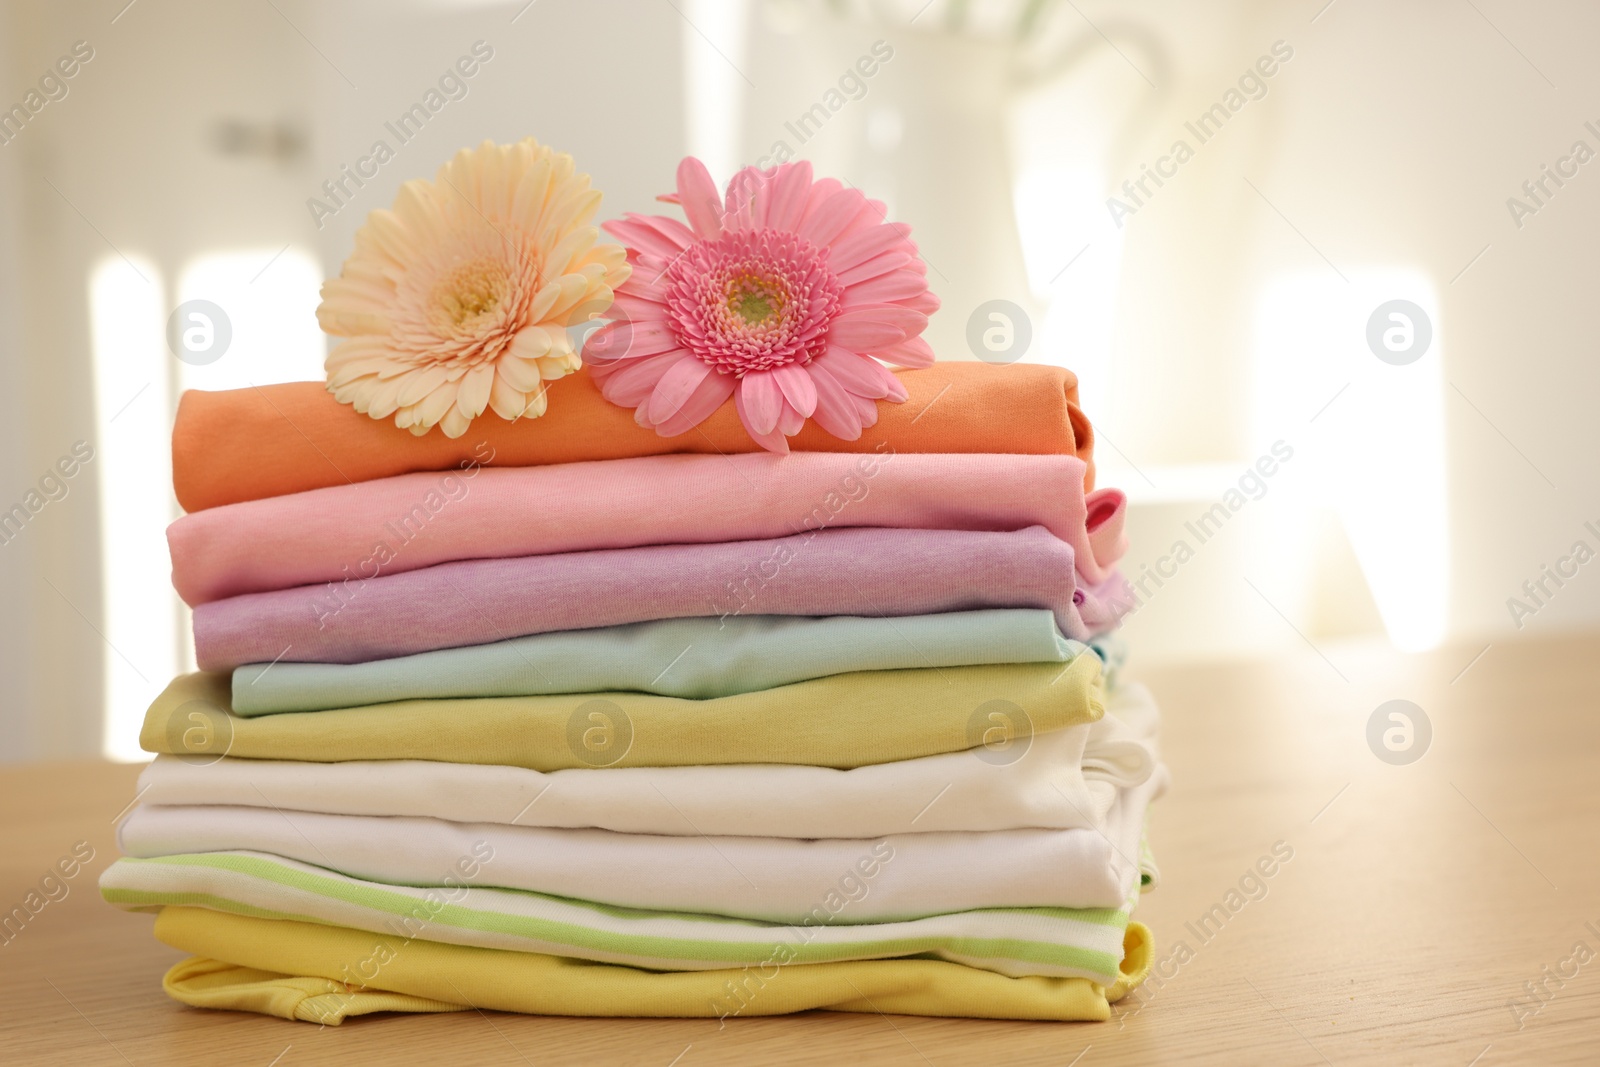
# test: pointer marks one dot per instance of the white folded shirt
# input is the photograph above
(1067, 779)
(763, 878)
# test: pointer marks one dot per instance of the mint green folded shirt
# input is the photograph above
(697, 658)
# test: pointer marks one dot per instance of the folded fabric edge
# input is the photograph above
(290, 690)
(247, 981)
(221, 437)
(204, 698)
(1084, 942)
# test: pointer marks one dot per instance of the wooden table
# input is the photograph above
(1419, 901)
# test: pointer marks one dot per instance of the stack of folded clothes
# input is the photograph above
(563, 716)
(765, 733)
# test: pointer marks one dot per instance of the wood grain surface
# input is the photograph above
(1422, 904)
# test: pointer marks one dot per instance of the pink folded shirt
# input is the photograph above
(871, 571)
(412, 521)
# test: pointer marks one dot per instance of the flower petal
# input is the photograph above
(831, 217)
(472, 395)
(866, 409)
(912, 352)
(634, 381)
(861, 246)
(878, 265)
(904, 319)
(707, 397)
(351, 372)
(835, 411)
(745, 207)
(533, 187)
(674, 388)
(530, 343)
(667, 228)
(560, 363)
(786, 196)
(574, 210)
(419, 384)
(434, 405)
(537, 403)
(655, 234)
(544, 300)
(636, 307)
(381, 402)
(872, 215)
(886, 288)
(858, 374)
(521, 374)
(573, 289)
(821, 189)
(628, 339)
(795, 382)
(357, 349)
(864, 334)
(506, 400)
(698, 196)
(570, 247)
(772, 441)
(455, 422)
(763, 401)
(646, 286)
(790, 421)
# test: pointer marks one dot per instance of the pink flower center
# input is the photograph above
(752, 300)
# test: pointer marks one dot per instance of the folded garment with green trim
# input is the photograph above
(325, 974)
(771, 879)
(1057, 942)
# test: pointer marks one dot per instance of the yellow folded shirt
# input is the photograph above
(843, 721)
(326, 974)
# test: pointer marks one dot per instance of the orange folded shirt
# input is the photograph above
(245, 444)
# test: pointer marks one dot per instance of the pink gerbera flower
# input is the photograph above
(784, 296)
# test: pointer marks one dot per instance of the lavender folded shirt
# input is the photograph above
(868, 571)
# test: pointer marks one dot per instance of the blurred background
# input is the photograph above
(1320, 267)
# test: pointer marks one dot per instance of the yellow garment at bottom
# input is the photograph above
(300, 971)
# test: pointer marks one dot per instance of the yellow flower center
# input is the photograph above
(471, 292)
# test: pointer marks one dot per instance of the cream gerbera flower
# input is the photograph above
(458, 298)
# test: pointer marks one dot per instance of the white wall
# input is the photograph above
(16, 557)
(601, 79)
(52, 693)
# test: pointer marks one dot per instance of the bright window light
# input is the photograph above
(1074, 261)
(140, 613)
(713, 87)
(1064, 127)
(270, 299)
(1373, 427)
